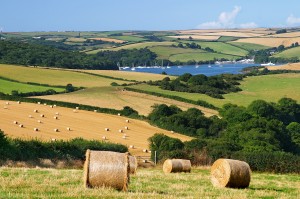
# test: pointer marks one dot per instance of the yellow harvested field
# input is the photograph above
(232, 32)
(85, 124)
(75, 39)
(53, 76)
(118, 98)
(273, 42)
(236, 34)
(294, 66)
(108, 39)
(197, 37)
(289, 34)
(138, 76)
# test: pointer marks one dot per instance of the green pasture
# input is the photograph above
(249, 46)
(201, 56)
(164, 52)
(292, 52)
(129, 38)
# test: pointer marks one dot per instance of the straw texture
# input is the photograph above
(106, 168)
(176, 165)
(133, 164)
(230, 173)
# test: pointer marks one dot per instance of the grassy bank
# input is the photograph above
(148, 183)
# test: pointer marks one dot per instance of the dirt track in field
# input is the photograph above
(85, 124)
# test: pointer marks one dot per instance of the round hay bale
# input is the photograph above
(36, 129)
(127, 121)
(57, 113)
(56, 130)
(120, 131)
(119, 114)
(68, 128)
(39, 102)
(30, 116)
(124, 137)
(145, 150)
(21, 125)
(95, 111)
(15, 122)
(131, 146)
(45, 104)
(77, 108)
(126, 127)
(7, 103)
(133, 164)
(230, 173)
(39, 121)
(51, 106)
(42, 115)
(54, 105)
(53, 139)
(75, 111)
(106, 129)
(177, 165)
(55, 117)
(35, 110)
(106, 168)
(18, 102)
(103, 137)
(172, 132)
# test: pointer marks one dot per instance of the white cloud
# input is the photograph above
(248, 25)
(291, 20)
(225, 20)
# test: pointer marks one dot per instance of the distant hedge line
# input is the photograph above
(25, 150)
(199, 102)
(126, 111)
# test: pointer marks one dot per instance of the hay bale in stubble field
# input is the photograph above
(133, 164)
(230, 173)
(176, 165)
(106, 168)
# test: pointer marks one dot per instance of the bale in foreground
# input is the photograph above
(106, 168)
(176, 165)
(230, 173)
(133, 164)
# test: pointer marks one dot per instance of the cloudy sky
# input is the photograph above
(60, 15)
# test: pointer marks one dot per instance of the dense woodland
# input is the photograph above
(31, 54)
(264, 130)
(214, 86)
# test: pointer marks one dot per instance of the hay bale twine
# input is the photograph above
(106, 168)
(133, 164)
(230, 173)
(177, 165)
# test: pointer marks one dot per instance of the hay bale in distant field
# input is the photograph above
(133, 164)
(56, 130)
(68, 128)
(55, 117)
(120, 131)
(176, 165)
(172, 132)
(54, 105)
(42, 115)
(77, 108)
(103, 137)
(145, 150)
(95, 111)
(35, 110)
(106, 129)
(127, 121)
(119, 114)
(124, 136)
(53, 139)
(5, 107)
(21, 125)
(36, 129)
(45, 104)
(131, 146)
(126, 127)
(39, 121)
(7, 103)
(106, 168)
(57, 113)
(230, 173)
(18, 102)
(51, 106)
(39, 102)
(15, 122)
(75, 111)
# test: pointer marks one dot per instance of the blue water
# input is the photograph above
(205, 69)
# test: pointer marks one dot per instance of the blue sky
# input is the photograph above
(99, 15)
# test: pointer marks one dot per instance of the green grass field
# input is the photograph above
(227, 38)
(269, 87)
(8, 86)
(129, 38)
(293, 52)
(148, 183)
(200, 56)
(53, 77)
(249, 46)
(164, 52)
